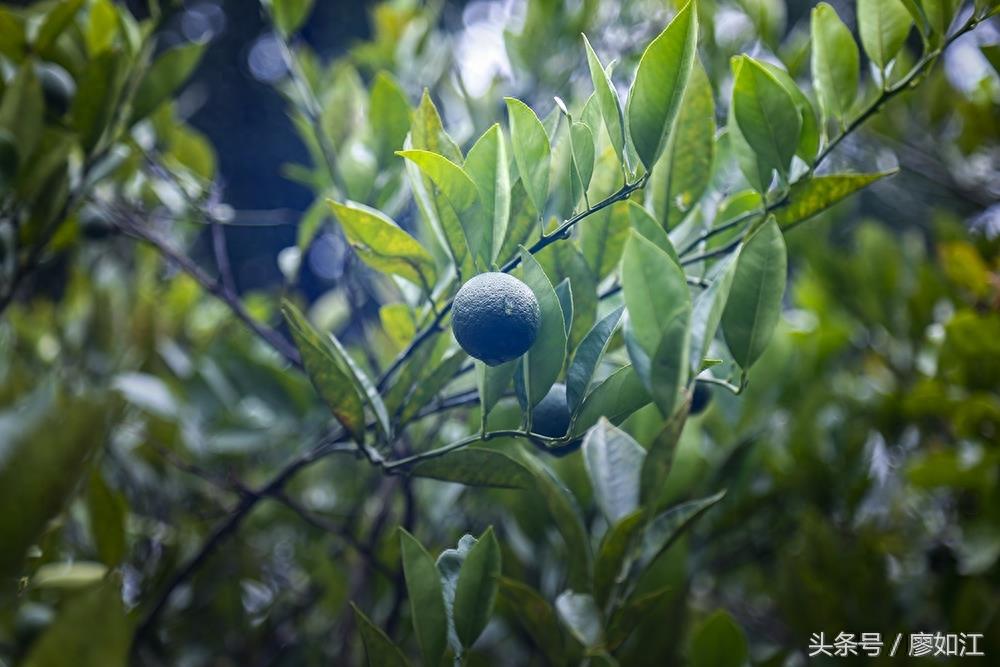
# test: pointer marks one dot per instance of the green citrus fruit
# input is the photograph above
(495, 318)
(701, 398)
(58, 88)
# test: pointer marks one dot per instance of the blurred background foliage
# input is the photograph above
(861, 462)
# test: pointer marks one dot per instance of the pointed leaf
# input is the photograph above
(814, 195)
(289, 15)
(884, 25)
(616, 554)
(666, 528)
(580, 614)
(545, 358)
(171, 69)
(659, 84)
(706, 312)
(588, 357)
(607, 100)
(389, 114)
(107, 511)
(536, 616)
(644, 223)
(383, 245)
(719, 642)
(683, 172)
(616, 397)
(423, 585)
(754, 304)
(474, 466)
(476, 590)
(835, 63)
(613, 461)
(582, 143)
(532, 152)
(487, 164)
(766, 114)
(809, 137)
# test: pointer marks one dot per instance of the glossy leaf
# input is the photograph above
(608, 101)
(644, 223)
(487, 164)
(660, 459)
(602, 238)
(461, 193)
(170, 70)
(545, 358)
(884, 25)
(615, 397)
(474, 466)
(563, 261)
(331, 380)
(587, 358)
(754, 303)
(493, 381)
(423, 586)
(616, 554)
(582, 144)
(814, 195)
(532, 152)
(383, 245)
(659, 84)
(613, 461)
(809, 137)
(682, 174)
(835, 63)
(706, 312)
(379, 649)
(719, 642)
(580, 614)
(476, 590)
(657, 331)
(767, 115)
(666, 528)
(91, 627)
(564, 292)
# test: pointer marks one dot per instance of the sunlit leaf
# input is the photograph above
(835, 63)
(289, 15)
(580, 614)
(884, 25)
(487, 164)
(768, 118)
(389, 113)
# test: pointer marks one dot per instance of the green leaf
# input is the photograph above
(587, 358)
(940, 14)
(644, 223)
(427, 611)
(171, 69)
(563, 261)
(660, 80)
(55, 23)
(383, 245)
(602, 238)
(719, 642)
(536, 616)
(488, 166)
(379, 649)
(682, 174)
(427, 133)
(289, 15)
(564, 292)
(615, 555)
(660, 459)
(492, 382)
(567, 519)
(545, 358)
(22, 111)
(324, 367)
(666, 528)
(835, 63)
(884, 25)
(706, 312)
(473, 466)
(13, 40)
(613, 461)
(40, 468)
(814, 195)
(431, 385)
(607, 100)
(615, 397)
(992, 53)
(657, 331)
(91, 627)
(766, 114)
(755, 172)
(638, 608)
(476, 590)
(107, 511)
(389, 114)
(809, 136)
(449, 564)
(461, 193)
(532, 152)
(580, 614)
(754, 303)
(582, 145)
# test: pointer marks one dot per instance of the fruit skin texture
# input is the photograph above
(701, 398)
(495, 318)
(58, 88)
(551, 418)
